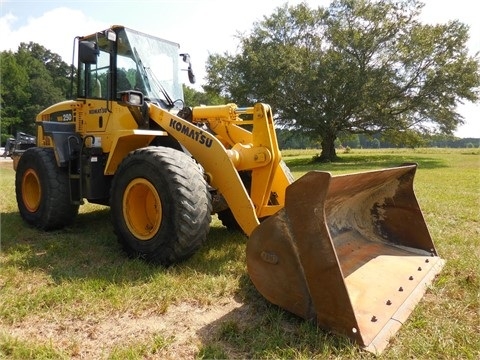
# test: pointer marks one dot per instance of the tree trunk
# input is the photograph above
(328, 148)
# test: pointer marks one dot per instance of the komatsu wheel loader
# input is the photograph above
(351, 252)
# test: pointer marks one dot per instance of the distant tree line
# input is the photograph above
(292, 140)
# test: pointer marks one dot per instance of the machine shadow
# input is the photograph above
(88, 249)
(371, 162)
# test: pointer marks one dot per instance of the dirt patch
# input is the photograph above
(182, 329)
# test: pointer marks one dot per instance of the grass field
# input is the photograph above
(74, 294)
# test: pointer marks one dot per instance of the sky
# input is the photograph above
(201, 27)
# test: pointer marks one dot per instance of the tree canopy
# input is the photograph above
(356, 67)
(32, 78)
(193, 97)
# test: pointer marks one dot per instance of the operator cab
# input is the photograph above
(120, 59)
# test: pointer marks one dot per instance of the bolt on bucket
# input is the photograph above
(351, 252)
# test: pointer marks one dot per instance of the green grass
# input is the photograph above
(80, 278)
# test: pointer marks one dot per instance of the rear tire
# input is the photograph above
(160, 205)
(42, 190)
(226, 216)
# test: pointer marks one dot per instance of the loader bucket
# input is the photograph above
(351, 252)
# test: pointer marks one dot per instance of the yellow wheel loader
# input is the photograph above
(351, 252)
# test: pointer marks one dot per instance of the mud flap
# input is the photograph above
(351, 252)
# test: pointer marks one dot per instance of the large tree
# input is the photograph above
(357, 66)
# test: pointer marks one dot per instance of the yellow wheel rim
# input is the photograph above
(31, 190)
(142, 209)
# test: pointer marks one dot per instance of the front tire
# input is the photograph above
(160, 205)
(42, 190)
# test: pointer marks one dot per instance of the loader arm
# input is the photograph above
(223, 148)
(351, 252)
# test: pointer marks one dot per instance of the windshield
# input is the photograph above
(151, 65)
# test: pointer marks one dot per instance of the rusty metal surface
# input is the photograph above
(380, 205)
(352, 252)
(385, 291)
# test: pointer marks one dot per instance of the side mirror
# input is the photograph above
(88, 52)
(137, 106)
(131, 98)
(191, 75)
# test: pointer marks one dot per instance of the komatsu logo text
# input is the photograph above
(190, 132)
(98, 111)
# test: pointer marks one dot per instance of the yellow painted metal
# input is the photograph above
(228, 148)
(212, 155)
(255, 150)
(223, 113)
(142, 209)
(31, 190)
(270, 179)
(124, 141)
(110, 125)
(107, 122)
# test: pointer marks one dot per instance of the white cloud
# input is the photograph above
(55, 30)
(7, 43)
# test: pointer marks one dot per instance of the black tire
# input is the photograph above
(161, 207)
(42, 190)
(228, 220)
(226, 216)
